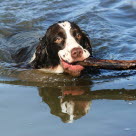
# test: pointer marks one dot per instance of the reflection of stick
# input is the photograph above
(109, 64)
(115, 94)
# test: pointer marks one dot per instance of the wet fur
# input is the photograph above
(47, 50)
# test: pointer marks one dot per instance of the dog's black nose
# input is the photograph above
(76, 53)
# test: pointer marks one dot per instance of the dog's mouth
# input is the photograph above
(72, 68)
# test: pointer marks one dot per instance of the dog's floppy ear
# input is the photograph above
(41, 54)
(87, 43)
(41, 50)
(45, 52)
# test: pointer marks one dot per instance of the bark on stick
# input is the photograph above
(109, 64)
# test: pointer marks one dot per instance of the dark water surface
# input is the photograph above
(33, 103)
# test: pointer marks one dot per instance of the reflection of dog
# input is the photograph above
(74, 108)
(68, 103)
(63, 44)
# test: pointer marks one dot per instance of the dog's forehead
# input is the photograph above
(65, 25)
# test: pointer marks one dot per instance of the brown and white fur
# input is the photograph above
(63, 44)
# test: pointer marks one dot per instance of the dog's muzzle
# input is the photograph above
(73, 55)
(68, 57)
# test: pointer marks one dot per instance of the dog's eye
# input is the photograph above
(78, 36)
(58, 39)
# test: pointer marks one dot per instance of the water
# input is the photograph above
(33, 103)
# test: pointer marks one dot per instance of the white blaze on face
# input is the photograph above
(70, 44)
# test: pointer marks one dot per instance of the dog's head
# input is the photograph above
(63, 44)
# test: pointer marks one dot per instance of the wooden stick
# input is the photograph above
(109, 64)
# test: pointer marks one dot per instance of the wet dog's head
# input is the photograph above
(63, 45)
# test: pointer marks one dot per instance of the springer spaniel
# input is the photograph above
(62, 46)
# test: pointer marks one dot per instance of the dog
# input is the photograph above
(63, 44)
